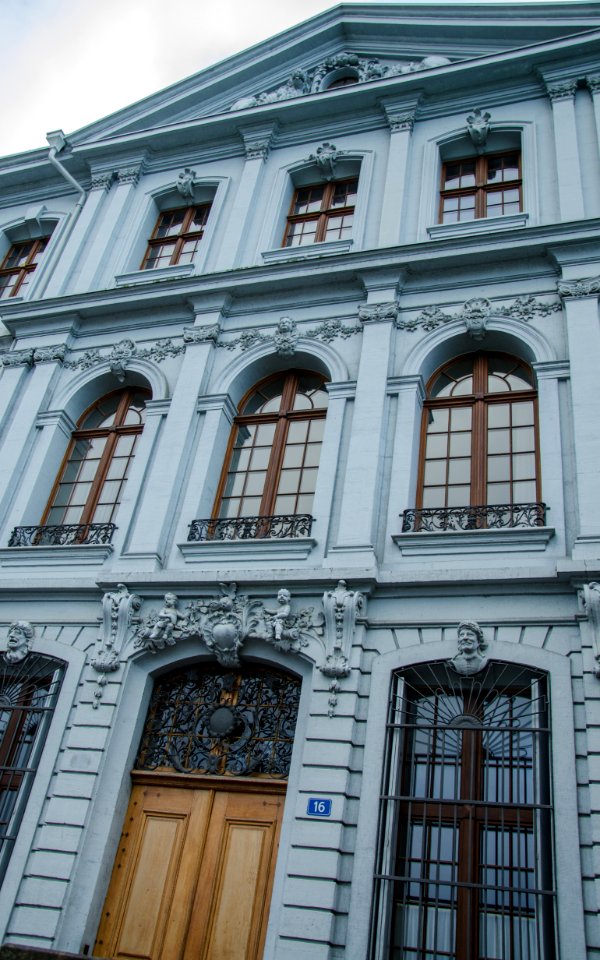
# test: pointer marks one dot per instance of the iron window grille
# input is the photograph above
(28, 695)
(465, 834)
(18, 266)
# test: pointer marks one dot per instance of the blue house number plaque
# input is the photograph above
(319, 807)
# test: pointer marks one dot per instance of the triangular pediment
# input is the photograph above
(350, 43)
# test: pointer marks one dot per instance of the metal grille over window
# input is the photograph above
(28, 694)
(222, 723)
(464, 861)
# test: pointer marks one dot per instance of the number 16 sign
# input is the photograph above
(319, 807)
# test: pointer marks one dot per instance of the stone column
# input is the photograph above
(83, 231)
(583, 332)
(154, 519)
(362, 471)
(401, 117)
(568, 166)
(104, 257)
(257, 142)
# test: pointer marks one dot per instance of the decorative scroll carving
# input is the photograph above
(488, 517)
(119, 612)
(49, 354)
(303, 82)
(401, 121)
(341, 608)
(123, 352)
(326, 157)
(586, 287)
(279, 526)
(478, 311)
(478, 126)
(119, 357)
(18, 642)
(470, 658)
(593, 82)
(378, 312)
(129, 174)
(185, 183)
(562, 90)
(62, 535)
(327, 331)
(201, 334)
(225, 623)
(590, 596)
(102, 181)
(18, 358)
(258, 149)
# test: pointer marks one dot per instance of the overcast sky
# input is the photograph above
(71, 62)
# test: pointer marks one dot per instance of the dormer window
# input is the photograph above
(176, 236)
(321, 212)
(345, 79)
(18, 266)
(478, 187)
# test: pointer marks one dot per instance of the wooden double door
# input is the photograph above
(194, 870)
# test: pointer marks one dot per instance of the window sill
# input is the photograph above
(154, 276)
(460, 542)
(222, 551)
(484, 225)
(72, 555)
(325, 249)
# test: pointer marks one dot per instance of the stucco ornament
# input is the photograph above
(325, 158)
(56, 352)
(226, 622)
(119, 357)
(590, 596)
(18, 358)
(341, 607)
(476, 314)
(586, 287)
(18, 642)
(478, 126)
(478, 311)
(119, 612)
(185, 183)
(123, 352)
(285, 337)
(470, 658)
(378, 312)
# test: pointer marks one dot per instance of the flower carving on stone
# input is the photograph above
(325, 158)
(341, 607)
(119, 612)
(120, 356)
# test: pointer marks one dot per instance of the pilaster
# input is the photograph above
(104, 257)
(568, 166)
(400, 115)
(593, 83)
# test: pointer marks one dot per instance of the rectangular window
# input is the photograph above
(323, 211)
(478, 187)
(18, 266)
(176, 236)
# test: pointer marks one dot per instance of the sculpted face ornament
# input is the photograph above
(470, 658)
(20, 637)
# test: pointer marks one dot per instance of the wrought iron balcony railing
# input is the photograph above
(62, 535)
(492, 517)
(252, 528)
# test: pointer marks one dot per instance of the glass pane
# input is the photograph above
(264, 434)
(438, 420)
(498, 469)
(434, 497)
(313, 452)
(293, 456)
(525, 492)
(249, 507)
(260, 458)
(461, 418)
(459, 496)
(316, 430)
(437, 446)
(260, 398)
(498, 493)
(102, 414)
(297, 431)
(459, 471)
(498, 415)
(255, 482)
(308, 199)
(522, 413)
(289, 481)
(285, 505)
(499, 441)
(524, 466)
(308, 481)
(460, 444)
(435, 472)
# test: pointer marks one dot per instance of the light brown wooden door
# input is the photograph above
(194, 870)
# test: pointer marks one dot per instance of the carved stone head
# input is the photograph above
(20, 637)
(470, 658)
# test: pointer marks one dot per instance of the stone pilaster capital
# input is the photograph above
(593, 82)
(561, 89)
(378, 312)
(585, 287)
(102, 180)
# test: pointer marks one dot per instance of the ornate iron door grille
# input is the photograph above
(28, 694)
(221, 722)
(464, 862)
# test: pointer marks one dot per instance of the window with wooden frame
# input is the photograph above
(273, 457)
(28, 692)
(18, 266)
(91, 481)
(476, 187)
(176, 236)
(321, 212)
(465, 844)
(479, 435)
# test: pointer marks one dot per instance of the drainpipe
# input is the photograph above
(58, 142)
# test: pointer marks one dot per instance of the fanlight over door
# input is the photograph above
(194, 870)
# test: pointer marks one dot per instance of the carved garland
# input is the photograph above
(476, 312)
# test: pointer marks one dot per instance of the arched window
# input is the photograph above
(479, 460)
(90, 484)
(29, 689)
(270, 472)
(465, 851)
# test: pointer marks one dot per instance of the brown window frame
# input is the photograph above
(114, 432)
(282, 420)
(322, 216)
(479, 401)
(482, 187)
(178, 240)
(24, 269)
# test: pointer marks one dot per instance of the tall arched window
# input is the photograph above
(479, 451)
(268, 481)
(91, 481)
(465, 851)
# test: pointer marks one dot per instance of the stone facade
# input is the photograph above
(359, 594)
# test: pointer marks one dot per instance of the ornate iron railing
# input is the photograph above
(252, 528)
(492, 517)
(62, 535)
